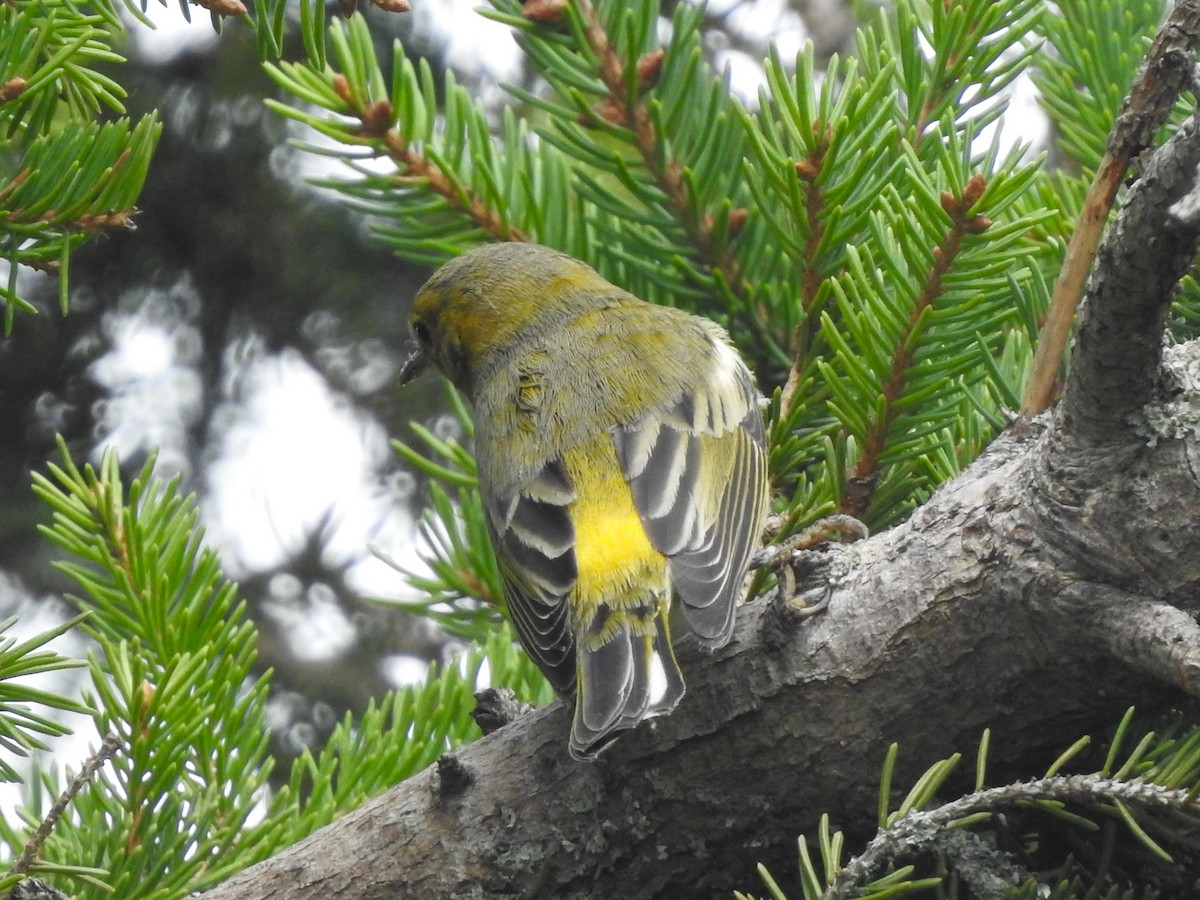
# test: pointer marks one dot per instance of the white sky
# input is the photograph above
(172, 33)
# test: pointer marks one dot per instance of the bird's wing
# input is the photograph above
(535, 546)
(698, 474)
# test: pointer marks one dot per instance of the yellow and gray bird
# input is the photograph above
(621, 465)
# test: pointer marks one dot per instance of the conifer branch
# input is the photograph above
(917, 830)
(811, 278)
(378, 118)
(618, 108)
(1116, 365)
(861, 486)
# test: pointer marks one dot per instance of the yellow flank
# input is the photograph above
(618, 566)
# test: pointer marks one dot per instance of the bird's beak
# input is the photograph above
(414, 365)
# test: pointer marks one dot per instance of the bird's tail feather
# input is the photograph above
(615, 684)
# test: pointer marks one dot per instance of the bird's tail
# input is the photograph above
(614, 687)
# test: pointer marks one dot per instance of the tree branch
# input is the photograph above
(1118, 347)
(1167, 72)
(951, 622)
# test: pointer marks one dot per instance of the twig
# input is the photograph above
(1116, 360)
(1167, 72)
(108, 748)
(917, 830)
(377, 120)
(860, 486)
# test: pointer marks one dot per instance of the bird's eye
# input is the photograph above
(421, 330)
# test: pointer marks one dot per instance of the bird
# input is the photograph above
(622, 469)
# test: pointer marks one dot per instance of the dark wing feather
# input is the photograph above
(708, 577)
(671, 465)
(535, 545)
(697, 472)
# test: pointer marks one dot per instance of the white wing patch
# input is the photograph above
(729, 389)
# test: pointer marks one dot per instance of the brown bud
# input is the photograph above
(544, 12)
(347, 7)
(608, 110)
(341, 87)
(147, 699)
(12, 88)
(737, 220)
(977, 224)
(225, 7)
(826, 130)
(807, 170)
(377, 118)
(393, 6)
(950, 204)
(974, 190)
(649, 68)
(147, 695)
